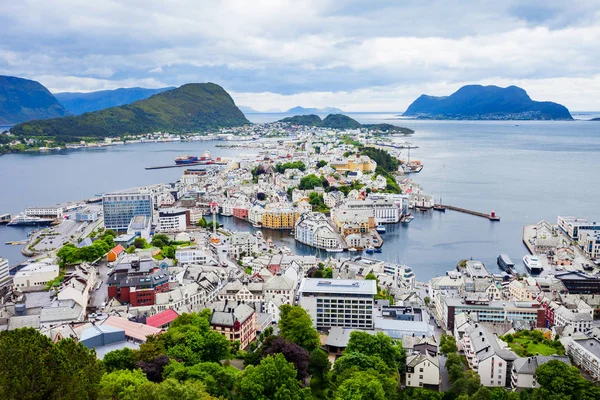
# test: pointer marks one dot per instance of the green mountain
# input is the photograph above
(340, 121)
(308, 120)
(24, 100)
(487, 102)
(189, 108)
(78, 103)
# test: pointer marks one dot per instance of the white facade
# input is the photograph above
(172, 220)
(4, 274)
(385, 210)
(242, 243)
(580, 321)
(422, 370)
(314, 229)
(346, 303)
(255, 214)
(586, 355)
(35, 275)
(191, 256)
(49, 212)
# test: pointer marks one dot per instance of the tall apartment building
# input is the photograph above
(120, 208)
(172, 220)
(279, 218)
(346, 303)
(3, 270)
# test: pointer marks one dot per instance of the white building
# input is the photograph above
(525, 290)
(35, 275)
(47, 212)
(585, 354)
(422, 370)
(573, 226)
(523, 370)
(242, 243)
(580, 321)
(255, 214)
(346, 303)
(314, 229)
(487, 355)
(172, 220)
(4, 274)
(188, 255)
(385, 210)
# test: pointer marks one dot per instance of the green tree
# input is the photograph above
(140, 243)
(427, 300)
(296, 326)
(119, 359)
(219, 381)
(561, 381)
(24, 356)
(319, 364)
(122, 384)
(310, 181)
(448, 345)
(361, 386)
(273, 378)
(379, 345)
(455, 367)
(321, 164)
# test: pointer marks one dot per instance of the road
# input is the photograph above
(100, 296)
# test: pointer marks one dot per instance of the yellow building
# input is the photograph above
(280, 219)
(354, 163)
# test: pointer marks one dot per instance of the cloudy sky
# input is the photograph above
(358, 55)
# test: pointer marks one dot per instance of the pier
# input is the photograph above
(491, 216)
(16, 242)
(217, 164)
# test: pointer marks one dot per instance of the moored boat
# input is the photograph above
(380, 228)
(182, 160)
(370, 249)
(505, 263)
(334, 250)
(533, 264)
(25, 220)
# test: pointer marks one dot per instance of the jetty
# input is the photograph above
(15, 242)
(216, 164)
(491, 216)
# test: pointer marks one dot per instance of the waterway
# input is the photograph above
(525, 171)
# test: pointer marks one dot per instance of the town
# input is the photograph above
(114, 272)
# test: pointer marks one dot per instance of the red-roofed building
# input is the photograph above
(114, 253)
(162, 319)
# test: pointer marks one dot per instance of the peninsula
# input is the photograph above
(476, 102)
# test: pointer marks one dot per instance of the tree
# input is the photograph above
(291, 351)
(130, 249)
(219, 381)
(319, 364)
(455, 367)
(119, 359)
(273, 378)
(139, 243)
(448, 345)
(559, 380)
(296, 326)
(154, 369)
(122, 384)
(24, 356)
(310, 181)
(379, 345)
(427, 300)
(321, 164)
(359, 386)
(168, 252)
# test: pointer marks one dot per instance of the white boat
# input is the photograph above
(23, 219)
(334, 250)
(380, 228)
(352, 250)
(533, 264)
(370, 249)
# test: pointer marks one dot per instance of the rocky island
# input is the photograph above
(476, 102)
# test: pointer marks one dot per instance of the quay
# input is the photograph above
(491, 216)
(186, 165)
(16, 242)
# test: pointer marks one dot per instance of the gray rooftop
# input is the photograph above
(338, 286)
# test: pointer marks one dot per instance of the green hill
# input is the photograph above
(487, 102)
(78, 103)
(189, 108)
(308, 120)
(24, 100)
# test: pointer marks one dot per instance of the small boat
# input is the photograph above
(370, 249)
(378, 250)
(533, 264)
(440, 206)
(352, 250)
(407, 219)
(334, 250)
(257, 225)
(380, 228)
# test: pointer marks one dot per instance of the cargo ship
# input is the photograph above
(182, 160)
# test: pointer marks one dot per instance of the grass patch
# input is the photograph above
(530, 343)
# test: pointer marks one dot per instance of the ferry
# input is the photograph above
(5, 218)
(505, 263)
(380, 228)
(533, 264)
(23, 219)
(370, 249)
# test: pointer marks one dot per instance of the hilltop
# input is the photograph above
(325, 110)
(78, 103)
(487, 102)
(340, 121)
(24, 100)
(189, 108)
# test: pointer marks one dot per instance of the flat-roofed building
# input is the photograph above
(585, 353)
(573, 226)
(172, 220)
(120, 208)
(45, 212)
(35, 275)
(346, 303)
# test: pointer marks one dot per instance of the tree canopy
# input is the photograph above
(296, 326)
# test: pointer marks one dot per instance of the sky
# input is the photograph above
(358, 55)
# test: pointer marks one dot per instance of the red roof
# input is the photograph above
(162, 318)
(118, 249)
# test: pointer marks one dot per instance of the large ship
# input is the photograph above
(182, 160)
(23, 219)
(533, 264)
(505, 263)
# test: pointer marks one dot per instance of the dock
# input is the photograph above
(491, 216)
(16, 242)
(218, 164)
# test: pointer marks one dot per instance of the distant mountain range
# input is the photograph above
(189, 108)
(78, 103)
(298, 110)
(24, 100)
(487, 103)
(340, 121)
